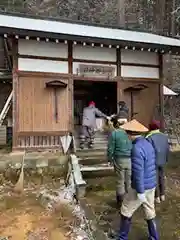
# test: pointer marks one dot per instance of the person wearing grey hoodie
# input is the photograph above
(89, 124)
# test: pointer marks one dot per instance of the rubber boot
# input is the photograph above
(119, 200)
(82, 145)
(124, 228)
(152, 228)
(90, 145)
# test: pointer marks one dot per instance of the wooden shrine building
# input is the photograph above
(58, 66)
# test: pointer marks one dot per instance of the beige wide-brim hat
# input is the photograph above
(134, 126)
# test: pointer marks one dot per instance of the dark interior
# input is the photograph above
(104, 94)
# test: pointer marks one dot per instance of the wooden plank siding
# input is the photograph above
(145, 101)
(36, 110)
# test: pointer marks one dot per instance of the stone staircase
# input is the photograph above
(94, 161)
(100, 141)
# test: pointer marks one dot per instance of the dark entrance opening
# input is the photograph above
(104, 94)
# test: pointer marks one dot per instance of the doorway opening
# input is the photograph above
(104, 94)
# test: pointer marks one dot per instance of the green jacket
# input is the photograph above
(119, 145)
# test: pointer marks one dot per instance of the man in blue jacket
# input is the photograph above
(143, 182)
(160, 143)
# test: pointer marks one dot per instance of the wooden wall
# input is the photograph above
(139, 64)
(41, 56)
(38, 62)
(145, 100)
(36, 106)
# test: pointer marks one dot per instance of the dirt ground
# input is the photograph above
(22, 217)
(101, 197)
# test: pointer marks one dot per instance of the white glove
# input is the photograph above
(142, 197)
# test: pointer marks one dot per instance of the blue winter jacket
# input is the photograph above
(160, 143)
(143, 165)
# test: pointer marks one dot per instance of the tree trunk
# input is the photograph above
(173, 29)
(121, 13)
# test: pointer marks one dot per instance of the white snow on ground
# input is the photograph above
(65, 196)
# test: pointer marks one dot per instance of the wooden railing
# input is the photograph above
(39, 142)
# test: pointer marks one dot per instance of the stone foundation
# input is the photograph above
(39, 164)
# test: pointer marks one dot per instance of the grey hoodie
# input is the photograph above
(89, 116)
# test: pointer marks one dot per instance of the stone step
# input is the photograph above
(93, 160)
(95, 143)
(91, 153)
(96, 168)
(96, 140)
(102, 148)
(97, 135)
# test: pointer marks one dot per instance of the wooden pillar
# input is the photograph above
(70, 59)
(71, 103)
(118, 64)
(71, 86)
(15, 83)
(118, 61)
(161, 94)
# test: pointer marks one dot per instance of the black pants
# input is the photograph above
(160, 189)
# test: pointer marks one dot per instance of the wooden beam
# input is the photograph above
(42, 133)
(140, 65)
(143, 80)
(95, 79)
(61, 76)
(93, 61)
(42, 58)
(10, 62)
(118, 59)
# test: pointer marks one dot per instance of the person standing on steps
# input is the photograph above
(122, 114)
(119, 154)
(160, 143)
(142, 193)
(89, 124)
(123, 111)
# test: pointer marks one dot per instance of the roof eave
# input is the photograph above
(122, 43)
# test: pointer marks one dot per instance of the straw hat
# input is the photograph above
(134, 126)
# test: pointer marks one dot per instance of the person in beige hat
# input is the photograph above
(143, 182)
(119, 154)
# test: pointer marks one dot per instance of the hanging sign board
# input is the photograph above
(96, 71)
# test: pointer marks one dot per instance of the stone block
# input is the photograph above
(3, 166)
(58, 171)
(30, 163)
(58, 160)
(80, 191)
(42, 162)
